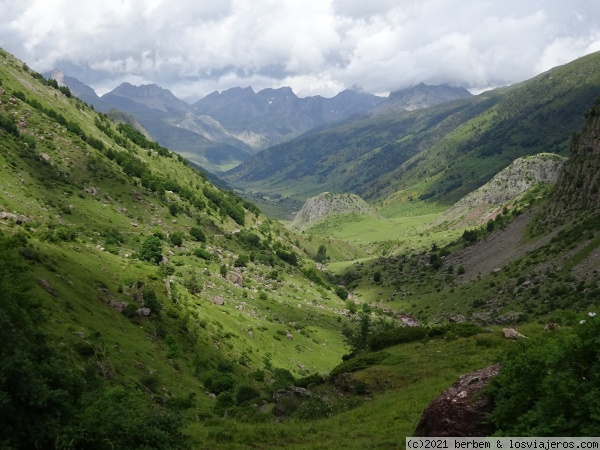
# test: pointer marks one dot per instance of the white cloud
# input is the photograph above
(315, 46)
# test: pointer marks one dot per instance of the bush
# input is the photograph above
(242, 261)
(341, 292)
(151, 250)
(197, 234)
(315, 408)
(218, 382)
(151, 301)
(283, 379)
(176, 238)
(246, 394)
(359, 362)
(377, 276)
(549, 385)
(202, 253)
(289, 257)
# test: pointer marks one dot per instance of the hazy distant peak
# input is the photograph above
(420, 96)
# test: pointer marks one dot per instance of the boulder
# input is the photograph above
(117, 305)
(461, 410)
(218, 300)
(17, 218)
(235, 278)
(47, 286)
(511, 333)
(143, 312)
(291, 392)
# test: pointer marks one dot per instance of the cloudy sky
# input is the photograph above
(194, 47)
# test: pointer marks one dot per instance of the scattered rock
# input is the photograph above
(511, 333)
(17, 218)
(218, 300)
(143, 312)
(117, 305)
(45, 157)
(461, 410)
(235, 278)
(407, 321)
(288, 400)
(46, 286)
(289, 336)
(293, 391)
(345, 382)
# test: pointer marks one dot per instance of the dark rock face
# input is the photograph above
(460, 410)
(579, 184)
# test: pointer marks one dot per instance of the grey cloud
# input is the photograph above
(315, 46)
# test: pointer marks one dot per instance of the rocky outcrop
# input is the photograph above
(17, 218)
(326, 204)
(484, 203)
(461, 410)
(578, 188)
(288, 400)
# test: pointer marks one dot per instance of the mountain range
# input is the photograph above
(224, 129)
(439, 153)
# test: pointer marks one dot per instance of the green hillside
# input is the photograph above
(142, 307)
(440, 153)
(143, 278)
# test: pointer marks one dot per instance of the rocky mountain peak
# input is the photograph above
(58, 75)
(151, 96)
(420, 96)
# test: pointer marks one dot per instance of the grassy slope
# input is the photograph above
(63, 185)
(169, 355)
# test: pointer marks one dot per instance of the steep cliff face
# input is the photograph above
(578, 187)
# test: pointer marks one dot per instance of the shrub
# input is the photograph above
(151, 301)
(246, 394)
(151, 250)
(289, 257)
(202, 253)
(341, 292)
(242, 261)
(218, 382)
(359, 362)
(549, 385)
(315, 408)
(249, 240)
(321, 255)
(283, 379)
(197, 234)
(176, 238)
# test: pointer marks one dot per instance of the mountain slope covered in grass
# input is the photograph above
(143, 307)
(149, 286)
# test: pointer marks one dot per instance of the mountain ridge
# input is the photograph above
(439, 153)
